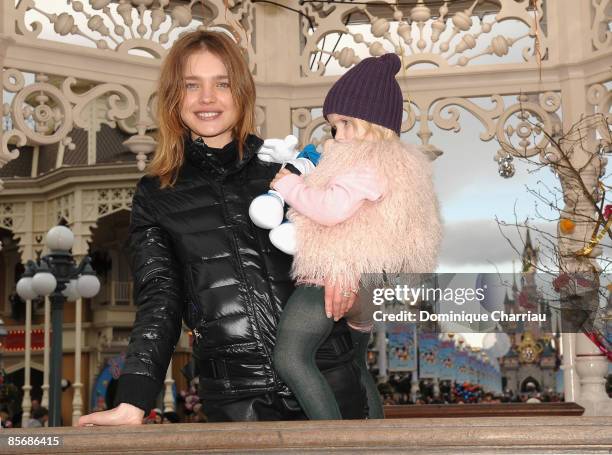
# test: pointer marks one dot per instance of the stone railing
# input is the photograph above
(420, 436)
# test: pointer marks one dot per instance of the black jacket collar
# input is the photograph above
(208, 159)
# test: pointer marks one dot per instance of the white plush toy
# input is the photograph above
(267, 211)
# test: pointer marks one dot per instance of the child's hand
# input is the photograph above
(338, 300)
(282, 173)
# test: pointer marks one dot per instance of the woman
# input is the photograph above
(196, 255)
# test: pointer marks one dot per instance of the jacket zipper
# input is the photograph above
(244, 278)
(194, 301)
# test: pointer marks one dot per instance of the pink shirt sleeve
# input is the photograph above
(335, 203)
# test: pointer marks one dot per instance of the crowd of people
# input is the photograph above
(393, 392)
(11, 416)
(398, 391)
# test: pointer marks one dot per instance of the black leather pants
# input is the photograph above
(335, 359)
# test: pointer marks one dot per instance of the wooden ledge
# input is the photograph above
(484, 410)
(420, 436)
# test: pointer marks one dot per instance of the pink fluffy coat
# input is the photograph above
(399, 233)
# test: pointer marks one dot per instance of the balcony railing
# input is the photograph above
(116, 293)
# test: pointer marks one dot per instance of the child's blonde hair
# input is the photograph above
(376, 132)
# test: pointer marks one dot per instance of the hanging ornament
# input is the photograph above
(566, 226)
(506, 168)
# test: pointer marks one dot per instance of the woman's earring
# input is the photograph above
(333, 132)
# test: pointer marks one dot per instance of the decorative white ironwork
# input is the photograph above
(10, 81)
(114, 199)
(6, 216)
(517, 127)
(46, 111)
(12, 216)
(61, 208)
(147, 27)
(446, 37)
(600, 98)
(314, 131)
(600, 29)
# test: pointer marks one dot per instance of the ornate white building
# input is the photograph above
(78, 80)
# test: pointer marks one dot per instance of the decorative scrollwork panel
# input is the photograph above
(136, 27)
(61, 208)
(112, 200)
(12, 216)
(522, 128)
(521, 125)
(446, 37)
(46, 111)
(600, 97)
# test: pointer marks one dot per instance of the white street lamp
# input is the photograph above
(24, 288)
(60, 238)
(88, 284)
(70, 292)
(58, 277)
(44, 283)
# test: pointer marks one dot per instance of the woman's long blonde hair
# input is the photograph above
(169, 155)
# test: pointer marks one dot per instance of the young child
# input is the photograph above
(369, 207)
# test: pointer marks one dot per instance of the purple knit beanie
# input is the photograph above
(369, 91)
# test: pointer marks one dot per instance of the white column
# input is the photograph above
(578, 208)
(168, 397)
(45, 387)
(381, 346)
(592, 369)
(570, 19)
(77, 399)
(26, 403)
(82, 234)
(571, 385)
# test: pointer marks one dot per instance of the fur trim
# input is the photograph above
(400, 233)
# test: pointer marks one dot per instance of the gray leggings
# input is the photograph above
(301, 331)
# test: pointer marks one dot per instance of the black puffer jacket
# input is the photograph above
(197, 256)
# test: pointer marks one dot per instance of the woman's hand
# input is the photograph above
(124, 414)
(338, 300)
(282, 173)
